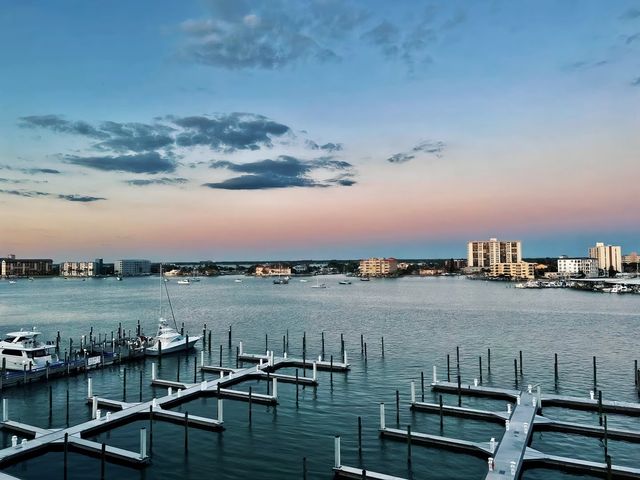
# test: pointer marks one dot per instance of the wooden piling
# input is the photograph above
(409, 443)
(237, 356)
(488, 361)
(331, 370)
(266, 342)
(360, 435)
(284, 345)
(600, 406)
(422, 385)
(186, 432)
(229, 336)
(178, 370)
(459, 391)
(605, 439)
(250, 404)
(635, 372)
(448, 368)
(555, 369)
(103, 455)
(150, 429)
(195, 371)
(50, 403)
(365, 351)
(67, 421)
(361, 344)
(480, 367)
(441, 414)
(520, 362)
(124, 385)
(221, 355)
(382, 340)
(515, 370)
(209, 342)
(66, 454)
(595, 372)
(297, 393)
(141, 381)
(398, 408)
(323, 347)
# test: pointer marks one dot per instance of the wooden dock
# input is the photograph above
(37, 441)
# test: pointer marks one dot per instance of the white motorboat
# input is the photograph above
(169, 339)
(281, 280)
(238, 280)
(302, 280)
(22, 349)
(344, 282)
(184, 281)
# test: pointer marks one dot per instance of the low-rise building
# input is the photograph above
(10, 266)
(272, 270)
(80, 269)
(631, 259)
(514, 271)
(378, 267)
(131, 268)
(571, 267)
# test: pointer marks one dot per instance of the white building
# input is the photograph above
(570, 267)
(608, 256)
(484, 254)
(129, 268)
(79, 269)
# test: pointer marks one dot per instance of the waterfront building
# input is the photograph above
(80, 269)
(377, 267)
(514, 270)
(10, 266)
(272, 270)
(631, 259)
(130, 268)
(608, 256)
(484, 254)
(570, 267)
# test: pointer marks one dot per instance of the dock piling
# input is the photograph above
(336, 451)
(459, 391)
(67, 423)
(360, 435)
(398, 408)
(382, 419)
(365, 351)
(229, 336)
(441, 415)
(143, 443)
(297, 392)
(520, 362)
(151, 428)
(5, 409)
(250, 403)
(66, 454)
(304, 468)
(141, 381)
(413, 392)
(422, 385)
(103, 454)
(331, 370)
(89, 387)
(595, 371)
(555, 369)
(448, 368)
(322, 341)
(186, 432)
(209, 342)
(515, 370)
(409, 443)
(361, 344)
(382, 347)
(488, 361)
(221, 354)
(480, 367)
(124, 385)
(220, 407)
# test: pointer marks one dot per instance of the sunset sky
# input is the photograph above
(280, 129)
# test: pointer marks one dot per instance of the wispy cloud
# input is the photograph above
(283, 172)
(18, 181)
(157, 181)
(428, 147)
(60, 125)
(151, 162)
(635, 82)
(30, 171)
(60, 196)
(630, 14)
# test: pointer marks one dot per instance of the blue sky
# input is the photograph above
(366, 128)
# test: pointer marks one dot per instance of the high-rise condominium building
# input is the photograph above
(129, 268)
(376, 267)
(608, 256)
(484, 254)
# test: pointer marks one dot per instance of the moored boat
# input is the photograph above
(20, 350)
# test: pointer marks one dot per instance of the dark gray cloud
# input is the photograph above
(30, 171)
(269, 35)
(432, 148)
(283, 172)
(60, 196)
(586, 64)
(327, 147)
(151, 162)
(229, 132)
(630, 14)
(135, 137)
(157, 181)
(58, 124)
(635, 82)
(18, 181)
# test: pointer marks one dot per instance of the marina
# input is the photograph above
(339, 396)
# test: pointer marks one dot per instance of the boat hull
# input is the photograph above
(173, 348)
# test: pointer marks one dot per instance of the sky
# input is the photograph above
(277, 129)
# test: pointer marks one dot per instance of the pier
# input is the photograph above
(37, 441)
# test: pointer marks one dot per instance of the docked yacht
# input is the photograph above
(22, 349)
(168, 339)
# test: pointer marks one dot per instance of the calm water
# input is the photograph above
(422, 320)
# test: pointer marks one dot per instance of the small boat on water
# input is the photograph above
(364, 279)
(617, 288)
(302, 280)
(11, 282)
(281, 280)
(238, 280)
(118, 278)
(22, 349)
(184, 281)
(344, 282)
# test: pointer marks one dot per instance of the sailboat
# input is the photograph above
(318, 284)
(168, 339)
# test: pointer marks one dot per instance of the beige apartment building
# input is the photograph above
(79, 269)
(608, 256)
(515, 271)
(378, 267)
(484, 254)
